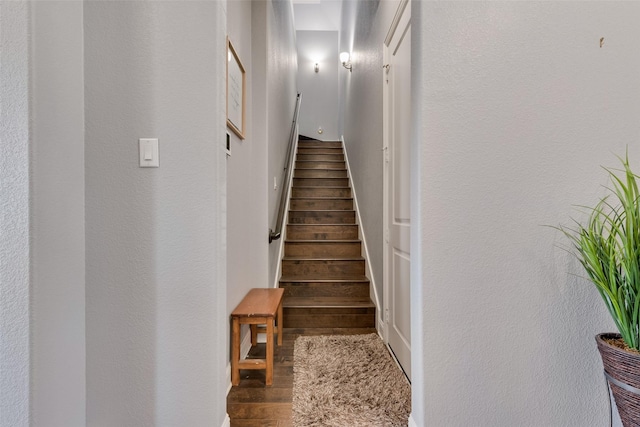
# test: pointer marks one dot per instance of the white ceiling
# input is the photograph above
(317, 15)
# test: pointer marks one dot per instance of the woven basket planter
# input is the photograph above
(622, 369)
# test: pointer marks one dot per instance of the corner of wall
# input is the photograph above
(15, 388)
(58, 336)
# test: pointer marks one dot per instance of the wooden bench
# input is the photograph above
(261, 306)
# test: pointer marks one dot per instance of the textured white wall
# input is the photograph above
(247, 189)
(280, 78)
(323, 15)
(364, 28)
(57, 217)
(155, 241)
(319, 90)
(250, 184)
(14, 215)
(516, 108)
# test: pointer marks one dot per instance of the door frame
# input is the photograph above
(385, 165)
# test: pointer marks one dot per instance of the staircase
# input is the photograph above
(323, 272)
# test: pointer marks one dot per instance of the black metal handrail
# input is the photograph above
(286, 175)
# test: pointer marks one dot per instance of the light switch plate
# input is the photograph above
(149, 153)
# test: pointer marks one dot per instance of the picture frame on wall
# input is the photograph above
(236, 90)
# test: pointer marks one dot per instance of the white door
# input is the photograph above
(397, 259)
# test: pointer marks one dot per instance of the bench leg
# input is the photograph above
(280, 324)
(235, 352)
(254, 334)
(269, 355)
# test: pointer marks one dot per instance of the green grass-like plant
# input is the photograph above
(608, 247)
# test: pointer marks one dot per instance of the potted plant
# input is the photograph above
(608, 247)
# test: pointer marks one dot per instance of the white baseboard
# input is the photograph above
(226, 422)
(228, 375)
(380, 326)
(412, 422)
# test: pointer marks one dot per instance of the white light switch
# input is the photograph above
(149, 157)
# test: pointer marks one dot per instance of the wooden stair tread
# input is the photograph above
(317, 225)
(331, 149)
(323, 178)
(326, 258)
(319, 160)
(311, 186)
(338, 302)
(315, 209)
(329, 186)
(322, 198)
(319, 150)
(313, 164)
(322, 241)
(327, 279)
(322, 210)
(326, 225)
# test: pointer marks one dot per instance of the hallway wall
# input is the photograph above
(15, 263)
(155, 254)
(247, 186)
(516, 107)
(42, 327)
(57, 215)
(265, 47)
(279, 96)
(250, 192)
(155, 259)
(319, 90)
(155, 240)
(364, 28)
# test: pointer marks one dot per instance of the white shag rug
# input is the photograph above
(347, 380)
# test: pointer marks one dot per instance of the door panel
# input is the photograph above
(397, 201)
(402, 317)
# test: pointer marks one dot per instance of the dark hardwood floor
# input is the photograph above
(251, 404)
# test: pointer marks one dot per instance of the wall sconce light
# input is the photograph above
(344, 58)
(316, 68)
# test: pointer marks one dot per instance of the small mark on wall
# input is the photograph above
(601, 41)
